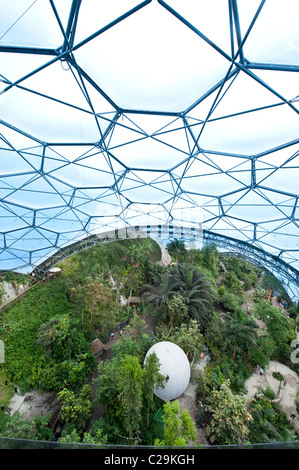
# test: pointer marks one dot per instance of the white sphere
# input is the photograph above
(174, 364)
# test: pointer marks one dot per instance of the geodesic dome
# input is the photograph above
(174, 364)
(126, 113)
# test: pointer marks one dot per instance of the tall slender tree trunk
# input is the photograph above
(234, 352)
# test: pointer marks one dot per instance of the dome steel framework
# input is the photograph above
(125, 113)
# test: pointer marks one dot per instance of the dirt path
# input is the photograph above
(34, 403)
(286, 395)
(188, 400)
(98, 410)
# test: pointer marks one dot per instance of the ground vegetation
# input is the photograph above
(214, 306)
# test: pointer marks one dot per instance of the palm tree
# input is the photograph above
(176, 248)
(285, 435)
(197, 291)
(164, 288)
(240, 329)
(262, 427)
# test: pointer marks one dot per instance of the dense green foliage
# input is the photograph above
(270, 423)
(197, 302)
(230, 418)
(43, 344)
(187, 284)
(179, 429)
(110, 255)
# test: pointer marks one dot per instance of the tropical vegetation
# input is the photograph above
(198, 302)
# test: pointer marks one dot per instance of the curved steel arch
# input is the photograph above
(166, 232)
(259, 257)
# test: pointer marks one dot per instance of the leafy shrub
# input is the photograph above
(278, 376)
(25, 359)
(231, 302)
